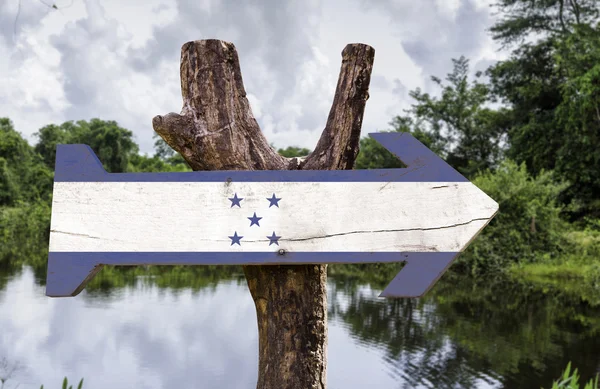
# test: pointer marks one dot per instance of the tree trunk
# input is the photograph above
(217, 131)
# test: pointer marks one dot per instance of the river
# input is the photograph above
(148, 334)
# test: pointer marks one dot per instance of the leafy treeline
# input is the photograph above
(528, 134)
(26, 178)
(549, 92)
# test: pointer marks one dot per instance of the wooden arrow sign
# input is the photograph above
(423, 215)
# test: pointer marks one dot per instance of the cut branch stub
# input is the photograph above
(216, 129)
(338, 146)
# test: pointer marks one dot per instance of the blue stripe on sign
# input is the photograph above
(69, 272)
(78, 163)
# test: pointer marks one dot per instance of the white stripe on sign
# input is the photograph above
(310, 217)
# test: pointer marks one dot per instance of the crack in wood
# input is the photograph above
(376, 231)
(75, 234)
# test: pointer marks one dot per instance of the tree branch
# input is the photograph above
(338, 146)
(216, 129)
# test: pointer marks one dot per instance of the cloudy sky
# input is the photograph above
(119, 60)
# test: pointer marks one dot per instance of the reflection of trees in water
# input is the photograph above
(463, 331)
(113, 278)
(417, 348)
(8, 371)
(172, 278)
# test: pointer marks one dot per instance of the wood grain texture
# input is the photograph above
(217, 131)
(311, 216)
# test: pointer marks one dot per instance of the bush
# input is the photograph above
(527, 227)
(24, 233)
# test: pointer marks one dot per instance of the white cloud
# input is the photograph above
(448, 8)
(120, 60)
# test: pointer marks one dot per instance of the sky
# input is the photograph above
(119, 59)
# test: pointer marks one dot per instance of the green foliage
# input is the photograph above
(23, 176)
(570, 380)
(165, 153)
(520, 19)
(457, 126)
(13, 147)
(26, 179)
(551, 87)
(141, 163)
(587, 240)
(579, 115)
(529, 85)
(527, 227)
(113, 145)
(373, 155)
(292, 151)
(24, 233)
(466, 131)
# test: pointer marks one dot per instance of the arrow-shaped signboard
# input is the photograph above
(423, 215)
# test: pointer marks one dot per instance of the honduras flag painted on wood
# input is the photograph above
(423, 215)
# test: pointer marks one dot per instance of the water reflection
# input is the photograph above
(143, 334)
(471, 335)
(418, 352)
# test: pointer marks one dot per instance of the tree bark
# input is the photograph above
(217, 131)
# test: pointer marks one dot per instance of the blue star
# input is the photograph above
(235, 201)
(236, 239)
(274, 238)
(254, 220)
(273, 200)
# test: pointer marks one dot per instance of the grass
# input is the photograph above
(66, 385)
(579, 268)
(568, 269)
(570, 380)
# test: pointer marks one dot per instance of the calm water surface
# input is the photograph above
(145, 336)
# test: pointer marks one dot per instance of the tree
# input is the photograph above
(113, 144)
(141, 163)
(23, 176)
(549, 128)
(165, 153)
(579, 114)
(48, 137)
(290, 300)
(373, 155)
(521, 19)
(292, 151)
(459, 122)
(528, 84)
(457, 126)
(527, 226)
